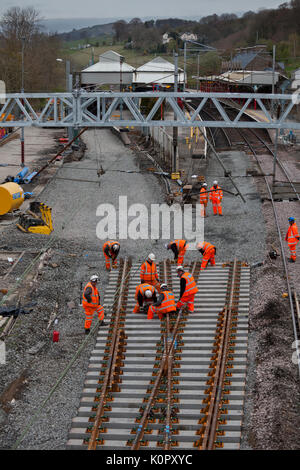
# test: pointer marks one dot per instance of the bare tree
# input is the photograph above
(41, 70)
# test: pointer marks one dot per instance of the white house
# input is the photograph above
(295, 80)
(188, 37)
(166, 39)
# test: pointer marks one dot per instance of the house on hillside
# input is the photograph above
(166, 38)
(188, 37)
(295, 85)
(111, 69)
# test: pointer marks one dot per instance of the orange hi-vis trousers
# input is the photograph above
(208, 257)
(217, 208)
(89, 313)
(187, 299)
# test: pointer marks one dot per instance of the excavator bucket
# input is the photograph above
(37, 219)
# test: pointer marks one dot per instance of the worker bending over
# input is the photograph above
(188, 289)
(148, 272)
(144, 294)
(216, 196)
(179, 248)
(292, 238)
(203, 200)
(208, 251)
(165, 303)
(91, 303)
(111, 250)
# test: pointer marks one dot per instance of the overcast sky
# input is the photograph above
(137, 8)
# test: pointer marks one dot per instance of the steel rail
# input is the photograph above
(279, 163)
(281, 248)
(108, 378)
(164, 361)
(208, 440)
(218, 128)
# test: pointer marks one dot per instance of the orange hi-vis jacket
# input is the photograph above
(203, 196)
(208, 248)
(148, 272)
(191, 287)
(142, 289)
(292, 236)
(110, 244)
(95, 297)
(168, 304)
(181, 245)
(216, 195)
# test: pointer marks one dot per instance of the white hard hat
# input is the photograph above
(200, 246)
(163, 286)
(151, 257)
(179, 268)
(148, 294)
(166, 245)
(94, 278)
(116, 247)
(215, 182)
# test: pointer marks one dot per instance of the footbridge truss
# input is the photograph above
(99, 109)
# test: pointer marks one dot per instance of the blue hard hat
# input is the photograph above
(291, 219)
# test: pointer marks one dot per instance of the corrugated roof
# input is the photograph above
(110, 61)
(157, 64)
(244, 58)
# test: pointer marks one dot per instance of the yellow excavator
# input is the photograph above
(37, 219)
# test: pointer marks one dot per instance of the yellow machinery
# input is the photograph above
(11, 197)
(37, 220)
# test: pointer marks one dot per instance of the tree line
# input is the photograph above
(277, 25)
(20, 30)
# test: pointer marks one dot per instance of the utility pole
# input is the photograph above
(175, 129)
(198, 70)
(22, 101)
(273, 80)
(184, 66)
(121, 86)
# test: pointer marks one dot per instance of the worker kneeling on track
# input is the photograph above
(208, 251)
(145, 294)
(188, 289)
(165, 303)
(91, 303)
(148, 272)
(111, 250)
(179, 248)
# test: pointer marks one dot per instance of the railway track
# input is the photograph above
(244, 134)
(178, 383)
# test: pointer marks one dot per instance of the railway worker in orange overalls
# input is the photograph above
(292, 238)
(208, 251)
(91, 303)
(144, 294)
(179, 248)
(203, 200)
(148, 272)
(216, 196)
(111, 250)
(188, 289)
(165, 304)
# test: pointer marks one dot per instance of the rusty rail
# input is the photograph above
(116, 347)
(216, 383)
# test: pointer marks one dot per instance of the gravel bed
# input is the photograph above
(272, 411)
(34, 363)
